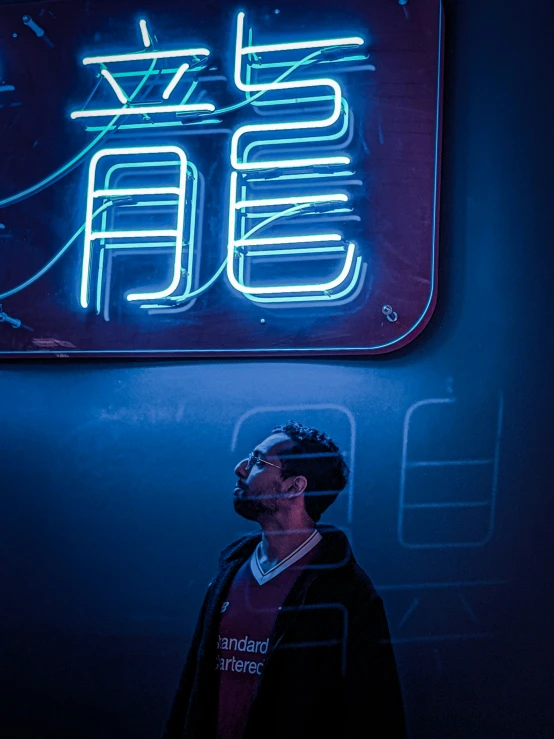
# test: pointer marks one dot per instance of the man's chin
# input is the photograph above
(247, 508)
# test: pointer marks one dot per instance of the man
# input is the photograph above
(292, 640)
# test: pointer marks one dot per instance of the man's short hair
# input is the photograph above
(316, 457)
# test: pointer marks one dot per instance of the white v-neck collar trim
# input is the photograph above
(262, 577)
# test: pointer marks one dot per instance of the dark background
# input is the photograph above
(116, 477)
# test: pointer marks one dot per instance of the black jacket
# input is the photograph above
(330, 670)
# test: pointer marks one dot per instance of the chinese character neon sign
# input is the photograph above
(251, 170)
(227, 183)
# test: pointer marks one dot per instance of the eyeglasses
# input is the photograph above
(254, 458)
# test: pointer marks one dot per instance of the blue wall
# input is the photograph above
(116, 478)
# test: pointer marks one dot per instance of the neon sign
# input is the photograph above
(287, 94)
(246, 247)
(128, 108)
(232, 167)
(173, 159)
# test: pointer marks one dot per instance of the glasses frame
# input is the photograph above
(254, 459)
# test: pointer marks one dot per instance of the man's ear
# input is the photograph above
(296, 485)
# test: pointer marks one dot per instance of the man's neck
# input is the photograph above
(278, 542)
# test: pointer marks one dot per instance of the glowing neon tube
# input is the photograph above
(139, 56)
(318, 298)
(115, 192)
(116, 88)
(283, 126)
(175, 81)
(135, 233)
(286, 289)
(310, 239)
(294, 252)
(292, 200)
(320, 43)
(316, 44)
(144, 110)
(176, 234)
(145, 35)
(232, 243)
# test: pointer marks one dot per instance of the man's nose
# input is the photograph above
(240, 469)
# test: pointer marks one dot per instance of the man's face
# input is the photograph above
(259, 491)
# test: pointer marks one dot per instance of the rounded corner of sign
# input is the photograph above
(414, 332)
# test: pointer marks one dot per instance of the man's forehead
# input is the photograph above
(275, 444)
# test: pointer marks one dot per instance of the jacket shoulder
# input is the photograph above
(239, 548)
(362, 581)
(348, 584)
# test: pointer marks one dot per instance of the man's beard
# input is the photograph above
(253, 508)
(249, 508)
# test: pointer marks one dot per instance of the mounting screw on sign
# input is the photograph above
(37, 30)
(391, 315)
(28, 21)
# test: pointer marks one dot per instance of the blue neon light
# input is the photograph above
(141, 245)
(297, 181)
(55, 258)
(285, 289)
(336, 97)
(153, 56)
(145, 35)
(116, 88)
(144, 110)
(135, 233)
(328, 136)
(246, 241)
(344, 296)
(292, 200)
(309, 239)
(77, 159)
(141, 56)
(240, 248)
(188, 295)
(176, 234)
(244, 245)
(319, 44)
(124, 191)
(174, 82)
(295, 252)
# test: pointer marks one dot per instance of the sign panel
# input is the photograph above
(218, 180)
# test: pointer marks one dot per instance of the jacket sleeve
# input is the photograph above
(175, 726)
(373, 695)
